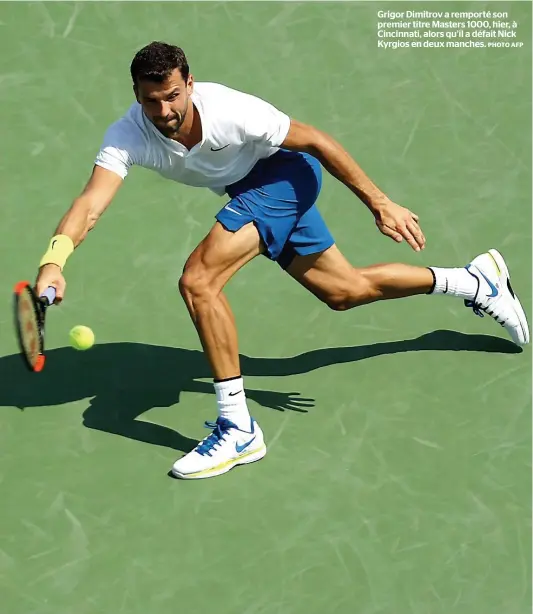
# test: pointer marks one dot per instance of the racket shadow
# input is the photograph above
(124, 380)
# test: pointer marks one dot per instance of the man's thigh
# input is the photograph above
(222, 253)
(326, 274)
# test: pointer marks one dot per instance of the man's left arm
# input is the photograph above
(392, 220)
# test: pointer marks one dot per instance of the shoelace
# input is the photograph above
(221, 427)
(478, 309)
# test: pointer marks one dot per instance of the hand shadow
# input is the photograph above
(127, 379)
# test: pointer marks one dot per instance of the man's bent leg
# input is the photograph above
(341, 286)
(211, 265)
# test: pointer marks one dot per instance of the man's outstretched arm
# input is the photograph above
(73, 227)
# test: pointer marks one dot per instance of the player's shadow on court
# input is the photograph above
(127, 379)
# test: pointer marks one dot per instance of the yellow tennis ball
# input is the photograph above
(81, 337)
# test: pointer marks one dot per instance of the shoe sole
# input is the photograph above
(519, 311)
(250, 457)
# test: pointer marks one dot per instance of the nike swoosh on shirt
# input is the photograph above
(219, 148)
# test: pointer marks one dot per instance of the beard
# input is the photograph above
(171, 127)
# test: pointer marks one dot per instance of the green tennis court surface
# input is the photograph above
(398, 475)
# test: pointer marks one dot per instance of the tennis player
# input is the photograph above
(268, 166)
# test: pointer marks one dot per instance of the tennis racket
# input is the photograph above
(30, 311)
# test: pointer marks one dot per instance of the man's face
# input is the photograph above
(165, 104)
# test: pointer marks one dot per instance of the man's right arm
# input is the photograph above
(87, 208)
(73, 227)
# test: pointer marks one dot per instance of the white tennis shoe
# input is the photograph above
(496, 297)
(220, 451)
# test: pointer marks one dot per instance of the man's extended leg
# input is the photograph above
(484, 285)
(236, 438)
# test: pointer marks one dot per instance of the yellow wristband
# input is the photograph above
(59, 249)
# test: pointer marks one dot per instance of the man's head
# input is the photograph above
(162, 85)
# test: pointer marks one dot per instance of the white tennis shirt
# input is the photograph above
(238, 129)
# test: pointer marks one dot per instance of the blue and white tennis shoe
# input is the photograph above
(220, 451)
(495, 295)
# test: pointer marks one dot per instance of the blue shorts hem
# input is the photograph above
(231, 222)
(289, 252)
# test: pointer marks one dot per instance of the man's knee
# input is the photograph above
(339, 301)
(353, 291)
(196, 285)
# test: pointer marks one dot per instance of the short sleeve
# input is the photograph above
(262, 121)
(118, 149)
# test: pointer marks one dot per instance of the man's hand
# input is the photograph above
(399, 223)
(50, 275)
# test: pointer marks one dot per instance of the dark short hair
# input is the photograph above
(156, 61)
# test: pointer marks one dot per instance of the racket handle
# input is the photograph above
(49, 294)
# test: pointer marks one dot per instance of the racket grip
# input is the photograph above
(49, 294)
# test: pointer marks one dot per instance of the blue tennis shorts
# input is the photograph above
(279, 196)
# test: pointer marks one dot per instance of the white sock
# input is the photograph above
(454, 282)
(231, 401)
